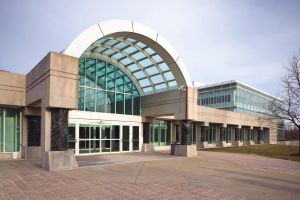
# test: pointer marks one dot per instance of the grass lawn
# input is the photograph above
(270, 150)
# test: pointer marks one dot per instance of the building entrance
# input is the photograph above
(105, 138)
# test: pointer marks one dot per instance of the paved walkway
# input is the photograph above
(208, 176)
(121, 158)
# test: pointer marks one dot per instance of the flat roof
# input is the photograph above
(241, 83)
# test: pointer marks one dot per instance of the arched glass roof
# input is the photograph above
(151, 72)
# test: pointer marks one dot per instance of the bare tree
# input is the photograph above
(289, 108)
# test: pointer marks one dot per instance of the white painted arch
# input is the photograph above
(135, 31)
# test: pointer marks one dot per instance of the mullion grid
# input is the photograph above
(106, 90)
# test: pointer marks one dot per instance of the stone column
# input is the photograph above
(146, 132)
(59, 129)
(54, 140)
(45, 135)
(185, 148)
(147, 145)
(186, 132)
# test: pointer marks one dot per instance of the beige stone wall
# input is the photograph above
(12, 89)
(53, 81)
(170, 103)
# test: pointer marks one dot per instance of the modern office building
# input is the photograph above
(234, 96)
(238, 97)
(118, 87)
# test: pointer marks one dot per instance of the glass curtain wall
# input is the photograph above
(160, 133)
(102, 87)
(9, 130)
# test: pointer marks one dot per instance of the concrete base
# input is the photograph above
(33, 153)
(59, 160)
(185, 150)
(148, 147)
(10, 156)
(240, 143)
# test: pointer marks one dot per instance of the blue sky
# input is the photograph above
(249, 41)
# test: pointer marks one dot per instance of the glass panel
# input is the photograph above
(169, 76)
(144, 82)
(152, 70)
(125, 138)
(84, 131)
(119, 81)
(172, 84)
(90, 99)
(133, 67)
(157, 79)
(148, 90)
(128, 85)
(128, 104)
(105, 145)
(110, 102)
(117, 56)
(90, 74)
(140, 44)
(115, 145)
(12, 130)
(120, 103)
(157, 58)
(111, 77)
(146, 62)
(163, 67)
(126, 61)
(130, 49)
(81, 72)
(101, 74)
(139, 55)
(139, 75)
(105, 131)
(161, 87)
(80, 98)
(115, 134)
(101, 101)
(121, 45)
(108, 52)
(110, 42)
(149, 51)
(135, 138)
(136, 105)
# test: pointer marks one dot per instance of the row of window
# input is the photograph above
(215, 100)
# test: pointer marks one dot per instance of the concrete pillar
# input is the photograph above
(186, 132)
(147, 146)
(146, 132)
(45, 135)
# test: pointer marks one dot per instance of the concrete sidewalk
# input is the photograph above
(208, 176)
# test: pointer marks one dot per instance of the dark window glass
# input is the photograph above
(128, 104)
(119, 103)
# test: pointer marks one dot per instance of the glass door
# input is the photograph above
(84, 136)
(125, 138)
(105, 138)
(135, 138)
(71, 137)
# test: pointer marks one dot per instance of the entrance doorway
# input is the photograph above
(103, 138)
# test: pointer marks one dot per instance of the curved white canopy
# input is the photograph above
(143, 54)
